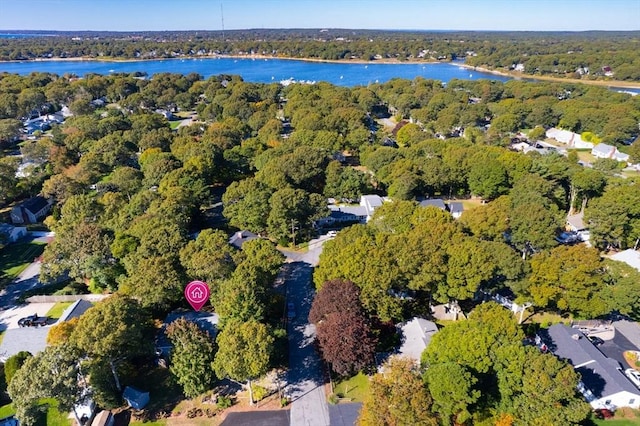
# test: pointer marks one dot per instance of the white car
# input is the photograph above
(332, 233)
(633, 375)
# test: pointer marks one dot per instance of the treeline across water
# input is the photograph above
(585, 55)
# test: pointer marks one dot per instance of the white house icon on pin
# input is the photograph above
(197, 294)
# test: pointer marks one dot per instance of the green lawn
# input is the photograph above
(56, 311)
(355, 388)
(617, 422)
(6, 411)
(156, 423)
(14, 258)
(52, 418)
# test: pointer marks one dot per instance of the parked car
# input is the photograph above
(40, 322)
(291, 310)
(596, 340)
(332, 233)
(27, 321)
(33, 321)
(633, 375)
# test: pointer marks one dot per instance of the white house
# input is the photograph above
(571, 139)
(603, 383)
(416, 335)
(602, 150)
(631, 257)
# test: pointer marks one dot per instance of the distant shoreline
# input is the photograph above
(517, 75)
(386, 61)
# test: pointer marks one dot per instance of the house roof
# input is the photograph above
(620, 156)
(78, 308)
(34, 204)
(434, 202)
(630, 257)
(371, 202)
(6, 228)
(601, 375)
(417, 334)
(347, 212)
(136, 398)
(102, 418)
(456, 207)
(603, 149)
(241, 237)
(576, 221)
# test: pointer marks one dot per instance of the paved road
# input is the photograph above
(616, 347)
(27, 280)
(306, 378)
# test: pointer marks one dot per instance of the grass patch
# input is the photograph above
(545, 319)
(470, 203)
(617, 422)
(355, 388)
(14, 258)
(155, 423)
(7, 410)
(1, 336)
(57, 309)
(174, 124)
(53, 416)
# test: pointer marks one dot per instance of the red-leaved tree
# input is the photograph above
(343, 332)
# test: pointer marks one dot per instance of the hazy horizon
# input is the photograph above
(398, 15)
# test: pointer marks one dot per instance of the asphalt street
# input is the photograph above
(27, 280)
(305, 377)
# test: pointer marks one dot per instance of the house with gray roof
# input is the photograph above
(370, 203)
(603, 150)
(456, 208)
(12, 233)
(75, 310)
(433, 202)
(603, 383)
(241, 237)
(417, 335)
(631, 257)
(31, 211)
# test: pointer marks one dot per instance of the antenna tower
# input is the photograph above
(222, 18)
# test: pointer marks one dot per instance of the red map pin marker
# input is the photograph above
(197, 294)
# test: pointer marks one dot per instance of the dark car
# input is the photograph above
(40, 322)
(27, 321)
(33, 321)
(596, 340)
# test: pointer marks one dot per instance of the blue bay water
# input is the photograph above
(260, 70)
(267, 70)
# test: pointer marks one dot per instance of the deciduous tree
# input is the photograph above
(397, 397)
(244, 352)
(192, 357)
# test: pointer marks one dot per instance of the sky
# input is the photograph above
(145, 15)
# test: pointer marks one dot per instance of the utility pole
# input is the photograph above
(222, 18)
(293, 232)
